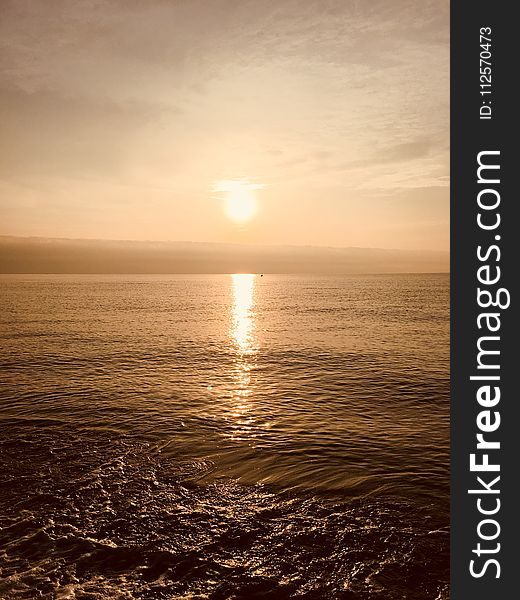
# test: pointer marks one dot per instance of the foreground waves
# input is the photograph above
(224, 437)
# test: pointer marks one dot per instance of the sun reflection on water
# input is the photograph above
(242, 335)
(243, 289)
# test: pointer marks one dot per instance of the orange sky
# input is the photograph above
(282, 121)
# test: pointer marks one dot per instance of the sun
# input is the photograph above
(240, 205)
(239, 198)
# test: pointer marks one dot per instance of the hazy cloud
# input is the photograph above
(112, 103)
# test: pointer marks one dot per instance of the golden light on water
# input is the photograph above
(243, 337)
(243, 325)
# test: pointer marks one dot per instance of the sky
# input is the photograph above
(266, 122)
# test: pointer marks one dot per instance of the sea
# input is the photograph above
(217, 437)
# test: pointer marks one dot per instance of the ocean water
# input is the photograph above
(224, 436)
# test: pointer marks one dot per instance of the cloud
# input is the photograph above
(162, 98)
(49, 133)
(232, 185)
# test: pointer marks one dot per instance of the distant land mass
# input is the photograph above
(76, 256)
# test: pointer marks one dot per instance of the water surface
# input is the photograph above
(224, 436)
